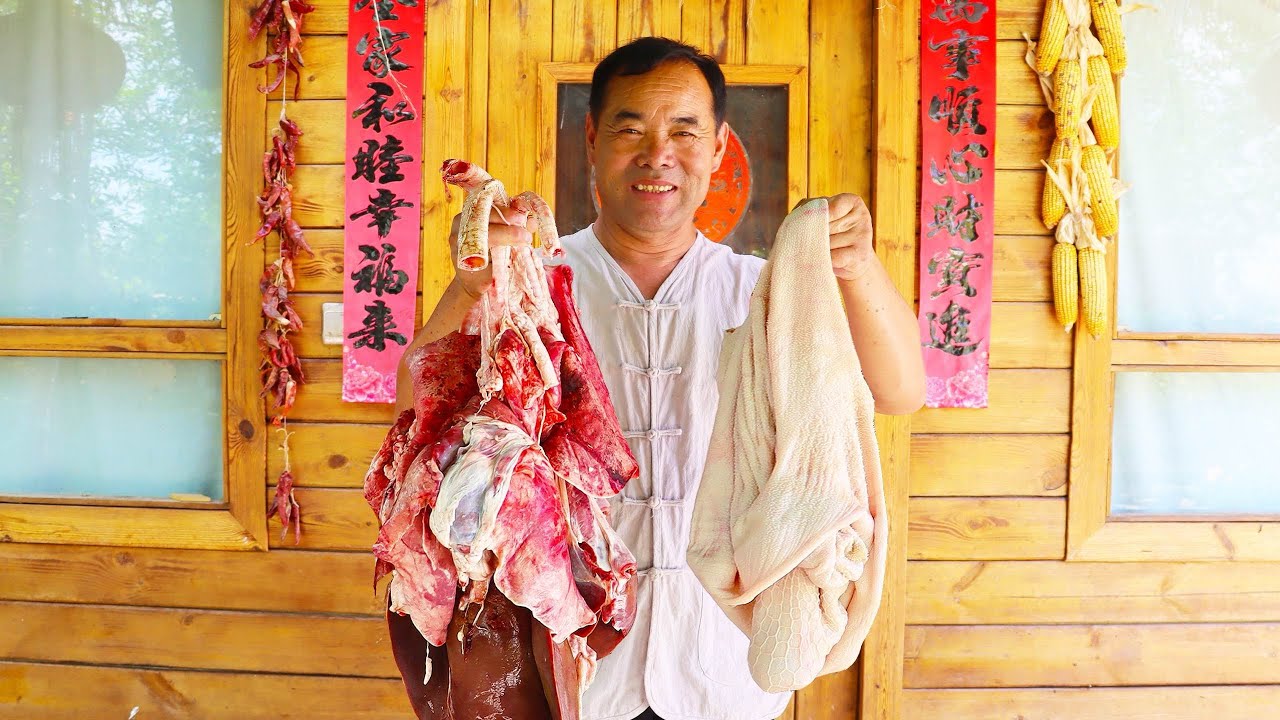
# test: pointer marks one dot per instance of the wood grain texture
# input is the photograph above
(204, 639)
(332, 519)
(1022, 269)
(321, 399)
(585, 30)
(983, 465)
(130, 526)
(45, 691)
(207, 341)
(986, 593)
(987, 528)
(729, 31)
(207, 579)
(327, 454)
(1145, 703)
(942, 656)
(1021, 401)
(1026, 335)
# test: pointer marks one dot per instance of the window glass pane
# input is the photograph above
(1199, 233)
(113, 428)
(110, 158)
(1195, 443)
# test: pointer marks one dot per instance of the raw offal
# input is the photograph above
(508, 582)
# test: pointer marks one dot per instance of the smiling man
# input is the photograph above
(656, 298)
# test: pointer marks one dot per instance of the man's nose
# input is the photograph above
(657, 151)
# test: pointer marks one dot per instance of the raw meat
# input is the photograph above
(789, 524)
(492, 493)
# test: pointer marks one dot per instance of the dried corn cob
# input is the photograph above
(1053, 31)
(1052, 205)
(1066, 288)
(1106, 113)
(1102, 198)
(1106, 21)
(1093, 290)
(1068, 95)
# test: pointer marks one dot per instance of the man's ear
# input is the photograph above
(722, 143)
(591, 140)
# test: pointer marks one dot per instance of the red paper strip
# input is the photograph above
(383, 193)
(957, 197)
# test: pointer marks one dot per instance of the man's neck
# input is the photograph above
(648, 261)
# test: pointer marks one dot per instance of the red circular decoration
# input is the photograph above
(728, 193)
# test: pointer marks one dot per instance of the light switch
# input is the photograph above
(332, 329)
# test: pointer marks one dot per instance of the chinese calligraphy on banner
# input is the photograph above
(957, 192)
(383, 187)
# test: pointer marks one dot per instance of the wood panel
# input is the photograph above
(975, 465)
(1082, 592)
(1026, 335)
(1022, 269)
(1016, 83)
(695, 24)
(309, 341)
(778, 33)
(585, 30)
(327, 454)
(1021, 401)
(840, 93)
(324, 126)
(1025, 134)
(643, 18)
(729, 31)
(321, 271)
(1146, 703)
(321, 399)
(204, 639)
(332, 519)
(987, 529)
(37, 339)
(40, 691)
(513, 86)
(1091, 655)
(208, 579)
(325, 74)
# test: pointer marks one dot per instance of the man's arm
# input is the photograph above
(882, 323)
(458, 298)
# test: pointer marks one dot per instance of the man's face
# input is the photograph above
(655, 148)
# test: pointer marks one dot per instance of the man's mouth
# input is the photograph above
(653, 188)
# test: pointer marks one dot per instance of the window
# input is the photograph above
(1175, 410)
(129, 315)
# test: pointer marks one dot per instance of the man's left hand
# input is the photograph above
(852, 251)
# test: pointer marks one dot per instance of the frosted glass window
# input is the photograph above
(1195, 443)
(110, 428)
(110, 158)
(1200, 142)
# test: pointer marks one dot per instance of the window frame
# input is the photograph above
(1093, 533)
(239, 521)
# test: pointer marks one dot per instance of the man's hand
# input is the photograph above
(849, 225)
(501, 232)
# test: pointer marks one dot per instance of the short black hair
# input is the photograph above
(643, 55)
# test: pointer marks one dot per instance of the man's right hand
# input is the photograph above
(501, 232)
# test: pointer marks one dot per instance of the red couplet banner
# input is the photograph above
(957, 194)
(383, 193)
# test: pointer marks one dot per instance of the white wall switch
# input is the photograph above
(332, 331)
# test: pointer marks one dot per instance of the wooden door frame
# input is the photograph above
(893, 208)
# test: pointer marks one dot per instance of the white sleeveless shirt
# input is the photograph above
(659, 357)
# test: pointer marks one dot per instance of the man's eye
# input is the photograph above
(684, 133)
(631, 131)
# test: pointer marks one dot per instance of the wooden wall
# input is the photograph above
(999, 626)
(297, 632)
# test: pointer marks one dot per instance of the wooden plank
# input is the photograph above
(729, 31)
(513, 85)
(893, 209)
(1145, 703)
(778, 33)
(1224, 353)
(987, 529)
(324, 126)
(1026, 335)
(1022, 272)
(318, 196)
(128, 526)
(322, 271)
(321, 399)
(196, 639)
(1018, 213)
(332, 519)
(1021, 401)
(830, 697)
(977, 465)
(209, 341)
(840, 89)
(1026, 133)
(978, 593)
(210, 579)
(1016, 82)
(695, 24)
(645, 18)
(1017, 17)
(1184, 541)
(327, 455)
(585, 30)
(330, 18)
(325, 74)
(957, 656)
(40, 691)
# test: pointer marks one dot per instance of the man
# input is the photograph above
(656, 298)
